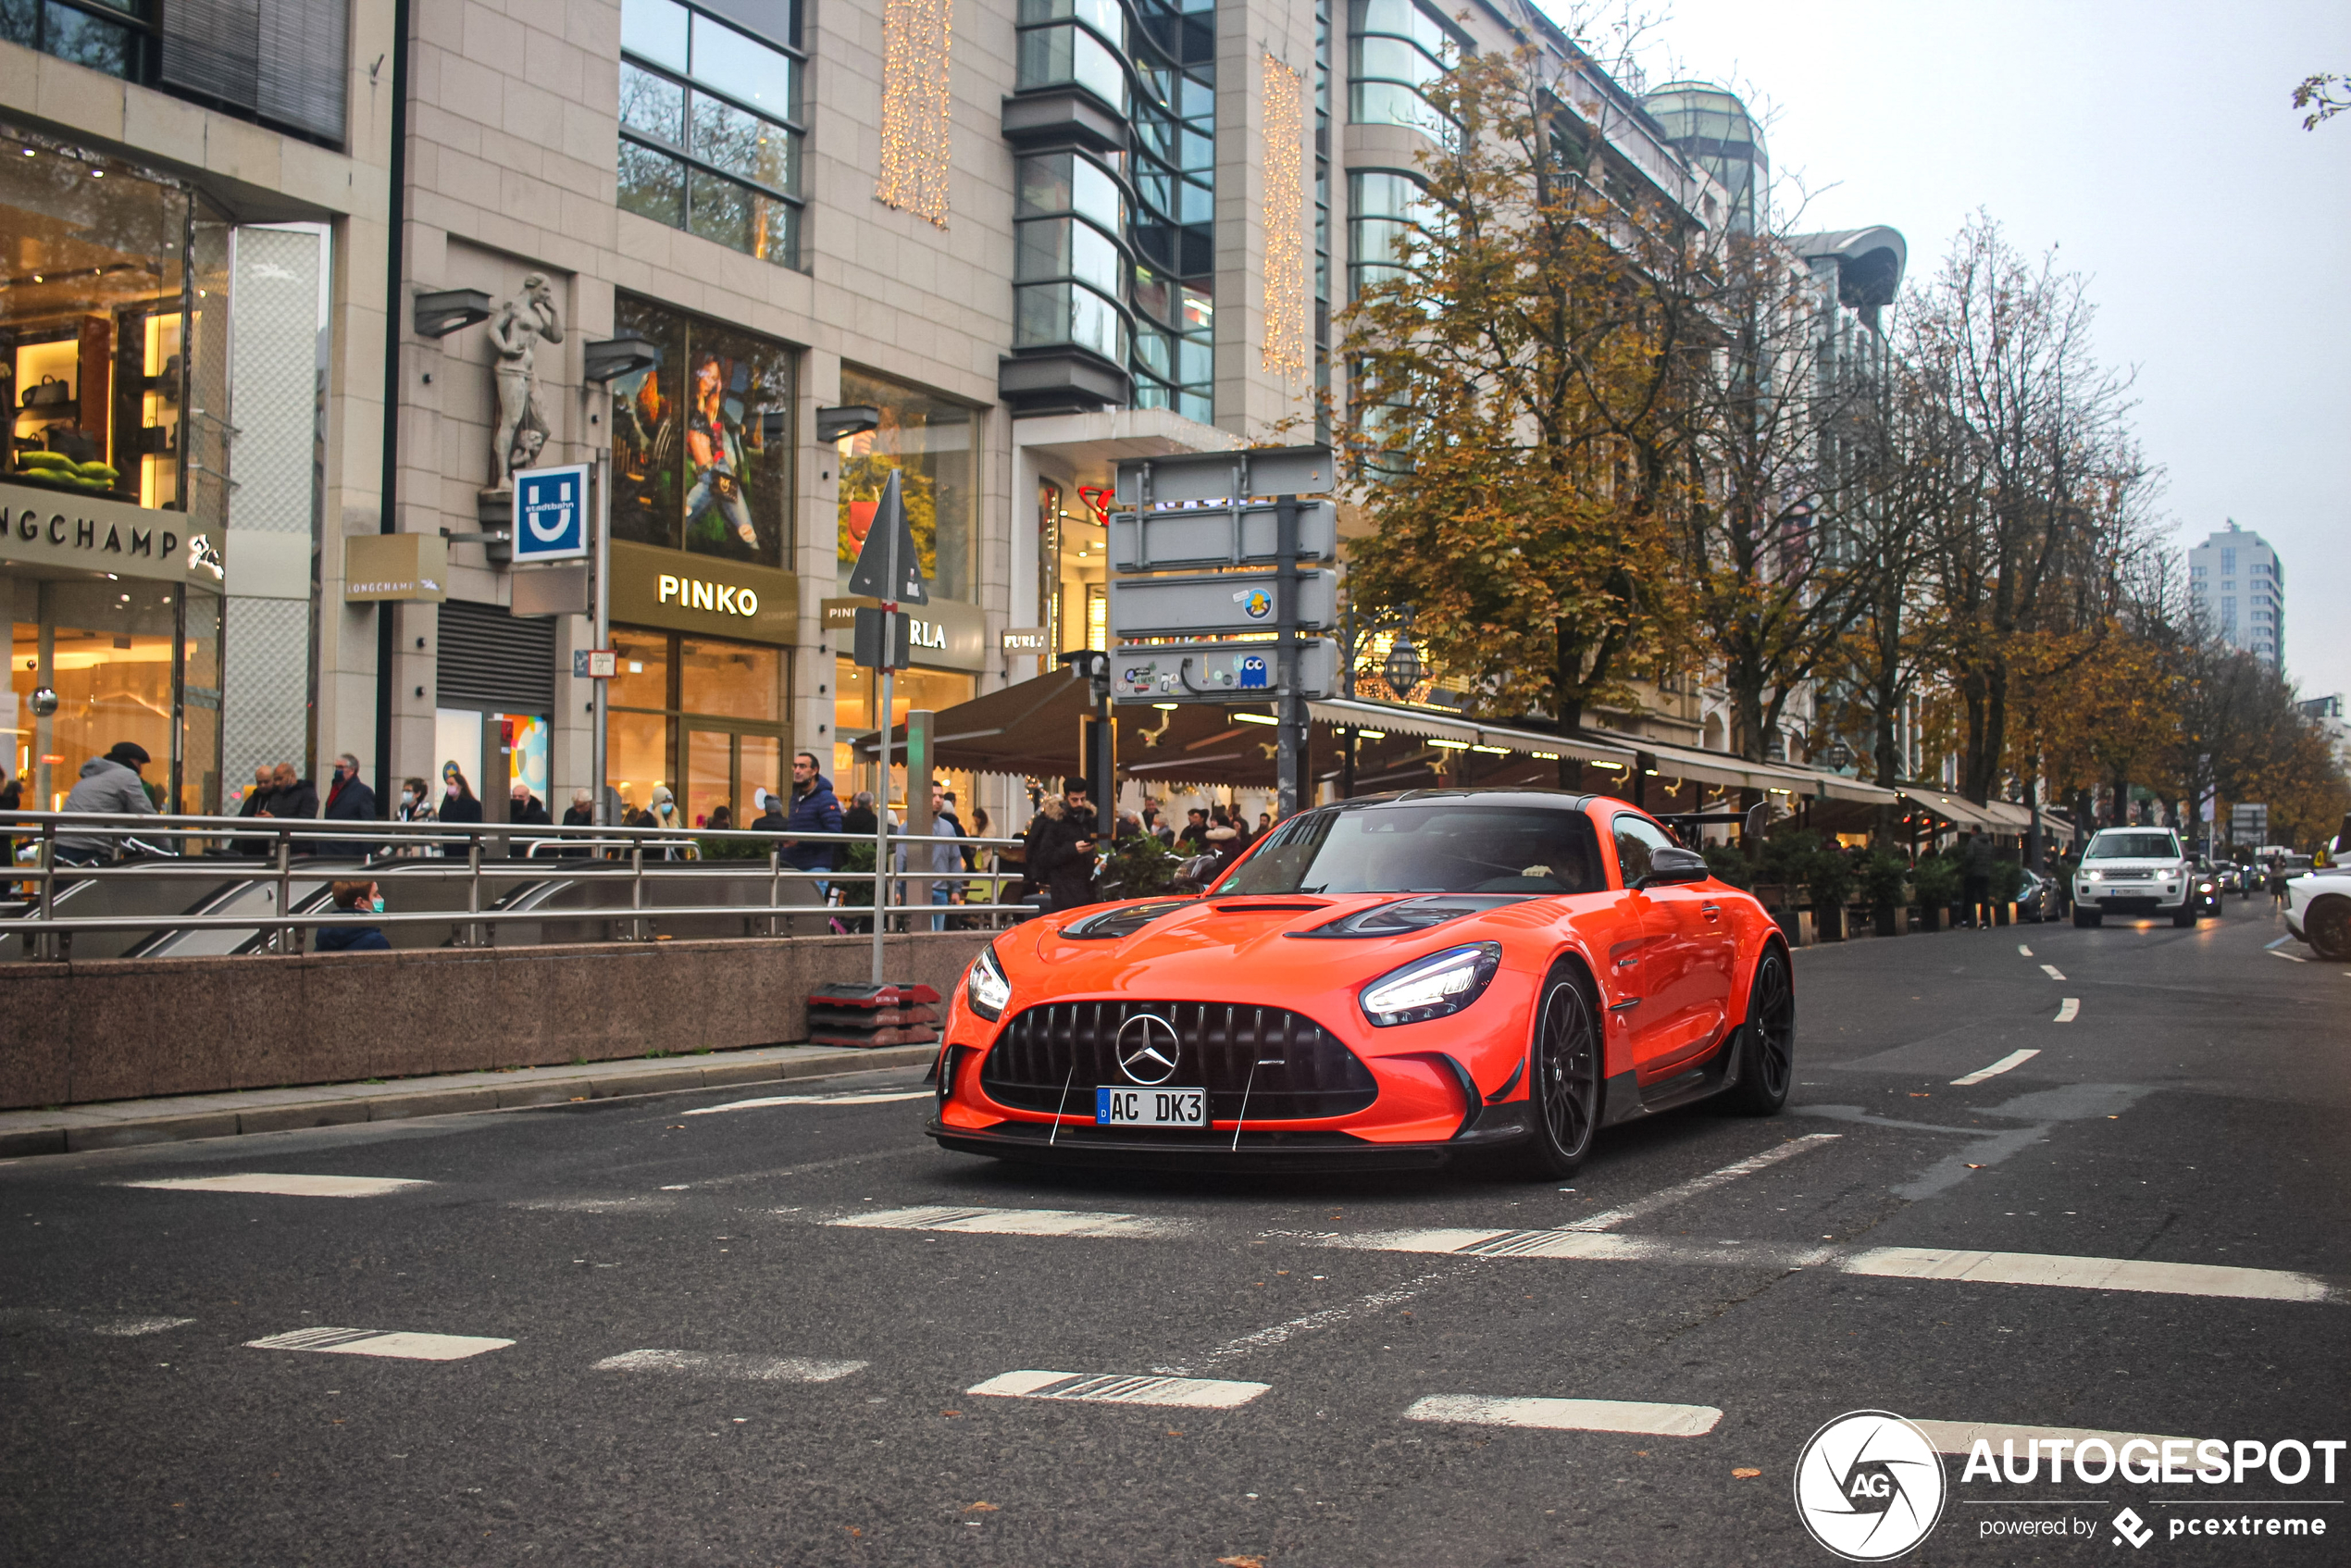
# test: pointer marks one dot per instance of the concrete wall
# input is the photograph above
(125, 1029)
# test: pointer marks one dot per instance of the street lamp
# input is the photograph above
(1402, 670)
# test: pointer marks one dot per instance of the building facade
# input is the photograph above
(286, 311)
(2237, 586)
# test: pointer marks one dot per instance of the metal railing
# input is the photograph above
(51, 853)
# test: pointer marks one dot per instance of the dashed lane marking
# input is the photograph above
(286, 1186)
(2022, 949)
(2089, 1274)
(1281, 1333)
(1960, 1437)
(2069, 1010)
(88, 1322)
(2289, 957)
(1195, 1393)
(399, 1345)
(2279, 942)
(2052, 971)
(1568, 1415)
(1612, 1218)
(2013, 1059)
(745, 1368)
(1018, 1222)
(870, 1099)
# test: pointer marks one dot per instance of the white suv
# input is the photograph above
(2134, 871)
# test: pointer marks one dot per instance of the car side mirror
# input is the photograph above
(1668, 865)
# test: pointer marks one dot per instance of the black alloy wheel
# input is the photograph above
(1767, 1044)
(1563, 1087)
(2327, 926)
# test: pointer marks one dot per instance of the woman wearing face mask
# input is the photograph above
(457, 803)
(666, 814)
(415, 805)
(359, 898)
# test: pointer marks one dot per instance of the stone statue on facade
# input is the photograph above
(515, 328)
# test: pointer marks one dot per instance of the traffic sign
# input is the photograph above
(551, 514)
(1196, 537)
(888, 567)
(595, 663)
(1218, 672)
(1225, 476)
(1208, 607)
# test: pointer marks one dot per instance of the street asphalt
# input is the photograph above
(756, 1336)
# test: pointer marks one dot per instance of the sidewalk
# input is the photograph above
(115, 1124)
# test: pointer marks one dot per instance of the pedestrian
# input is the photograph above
(946, 860)
(1264, 823)
(771, 818)
(1061, 845)
(358, 898)
(1193, 840)
(12, 792)
(1222, 839)
(720, 820)
(859, 818)
(350, 800)
(109, 783)
(1976, 879)
(2276, 881)
(291, 797)
(457, 802)
(581, 812)
(814, 809)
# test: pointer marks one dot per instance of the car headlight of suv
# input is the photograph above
(985, 988)
(2093, 876)
(1433, 986)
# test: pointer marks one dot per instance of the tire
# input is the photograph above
(2328, 929)
(2185, 917)
(1562, 1079)
(1766, 1042)
(2086, 916)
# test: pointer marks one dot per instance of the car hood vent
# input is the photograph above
(1406, 917)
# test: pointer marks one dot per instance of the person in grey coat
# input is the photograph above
(111, 784)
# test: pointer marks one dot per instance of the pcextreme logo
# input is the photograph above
(1869, 1486)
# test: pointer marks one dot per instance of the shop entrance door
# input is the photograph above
(726, 767)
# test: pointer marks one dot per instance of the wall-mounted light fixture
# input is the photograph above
(444, 311)
(614, 357)
(851, 420)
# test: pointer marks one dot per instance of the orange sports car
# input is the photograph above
(1402, 980)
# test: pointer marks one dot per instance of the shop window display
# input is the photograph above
(929, 443)
(701, 717)
(693, 469)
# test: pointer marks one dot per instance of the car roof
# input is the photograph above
(1551, 800)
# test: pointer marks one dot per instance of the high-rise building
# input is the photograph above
(2237, 584)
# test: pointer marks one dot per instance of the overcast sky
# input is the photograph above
(2153, 142)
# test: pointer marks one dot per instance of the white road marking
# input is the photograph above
(1612, 1218)
(378, 1343)
(595, 1205)
(1588, 1245)
(286, 1186)
(1195, 1393)
(83, 1322)
(871, 1099)
(2289, 957)
(2069, 1010)
(2052, 971)
(1018, 1222)
(1568, 1415)
(1960, 1437)
(1280, 1333)
(2022, 949)
(2279, 942)
(753, 1369)
(2088, 1274)
(2013, 1059)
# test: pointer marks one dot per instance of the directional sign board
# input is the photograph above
(1209, 606)
(1190, 538)
(551, 514)
(1217, 672)
(1224, 476)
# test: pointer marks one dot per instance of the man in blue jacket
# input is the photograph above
(813, 810)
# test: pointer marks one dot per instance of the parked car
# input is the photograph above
(2230, 877)
(2317, 911)
(2134, 871)
(2039, 899)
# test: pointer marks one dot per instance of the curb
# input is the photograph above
(395, 1105)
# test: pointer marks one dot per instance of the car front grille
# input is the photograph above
(1054, 1056)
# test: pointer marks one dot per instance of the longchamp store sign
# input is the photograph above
(46, 528)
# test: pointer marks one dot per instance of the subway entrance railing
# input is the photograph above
(140, 886)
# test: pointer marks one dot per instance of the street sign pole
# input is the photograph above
(887, 570)
(1290, 708)
(600, 813)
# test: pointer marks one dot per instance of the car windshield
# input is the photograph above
(1444, 847)
(2132, 846)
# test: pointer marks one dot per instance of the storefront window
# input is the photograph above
(858, 696)
(693, 467)
(704, 716)
(106, 649)
(92, 312)
(732, 679)
(931, 443)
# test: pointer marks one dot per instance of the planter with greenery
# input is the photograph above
(1884, 883)
(1938, 879)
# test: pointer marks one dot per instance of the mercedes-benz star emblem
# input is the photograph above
(1148, 1049)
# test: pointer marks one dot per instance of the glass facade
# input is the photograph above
(711, 128)
(932, 444)
(1383, 206)
(1395, 49)
(693, 465)
(706, 717)
(112, 39)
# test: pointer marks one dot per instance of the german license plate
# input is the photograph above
(1151, 1108)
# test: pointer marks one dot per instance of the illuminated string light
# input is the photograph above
(917, 107)
(1284, 91)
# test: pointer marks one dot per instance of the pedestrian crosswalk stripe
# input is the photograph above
(2089, 1274)
(1197, 1393)
(286, 1186)
(1017, 1222)
(86, 1322)
(2052, 972)
(2013, 1059)
(1960, 1437)
(1691, 1188)
(398, 1344)
(1568, 1415)
(748, 1368)
(873, 1099)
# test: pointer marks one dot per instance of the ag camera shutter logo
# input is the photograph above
(1870, 1486)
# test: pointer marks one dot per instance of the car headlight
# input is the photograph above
(2093, 876)
(985, 988)
(2204, 887)
(1432, 987)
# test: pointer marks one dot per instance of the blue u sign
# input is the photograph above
(551, 514)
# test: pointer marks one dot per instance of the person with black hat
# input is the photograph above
(1061, 845)
(108, 784)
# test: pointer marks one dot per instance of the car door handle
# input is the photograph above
(1621, 1006)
